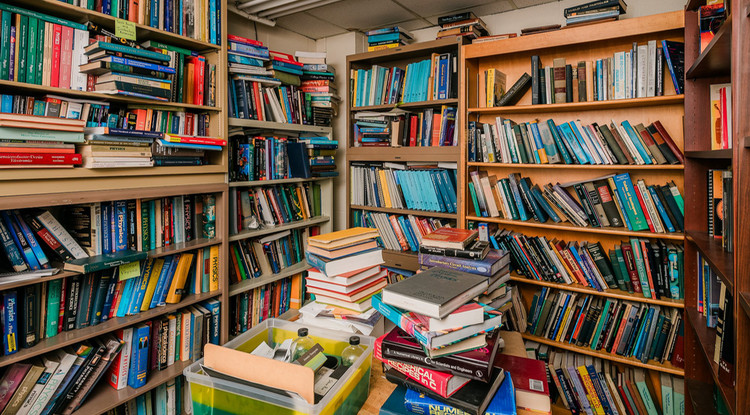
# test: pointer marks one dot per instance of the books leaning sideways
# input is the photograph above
(388, 38)
(345, 275)
(31, 141)
(595, 11)
(466, 25)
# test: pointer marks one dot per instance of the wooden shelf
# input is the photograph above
(721, 262)
(427, 213)
(724, 154)
(400, 259)
(716, 59)
(419, 49)
(82, 173)
(273, 229)
(67, 338)
(253, 183)
(407, 105)
(60, 275)
(404, 154)
(32, 89)
(706, 338)
(569, 227)
(249, 284)
(581, 106)
(701, 396)
(183, 247)
(678, 167)
(279, 126)
(744, 298)
(618, 294)
(143, 32)
(632, 361)
(104, 397)
(694, 4)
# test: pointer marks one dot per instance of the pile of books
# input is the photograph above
(448, 319)
(318, 84)
(595, 11)
(321, 152)
(388, 38)
(466, 25)
(32, 141)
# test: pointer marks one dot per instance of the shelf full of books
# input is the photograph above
(604, 231)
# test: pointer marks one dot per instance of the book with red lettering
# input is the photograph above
(23, 159)
(56, 51)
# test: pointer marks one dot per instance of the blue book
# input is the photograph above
(10, 322)
(642, 333)
(139, 287)
(127, 292)
(560, 318)
(660, 208)
(503, 403)
(6, 103)
(600, 392)
(214, 306)
(138, 64)
(139, 357)
(514, 189)
(540, 215)
(212, 21)
(384, 37)
(541, 201)
(636, 139)
(443, 76)
(630, 203)
(406, 229)
(99, 295)
(11, 250)
(164, 289)
(20, 241)
(244, 60)
(443, 197)
(450, 189)
(152, 224)
(109, 298)
(121, 225)
(116, 47)
(163, 276)
(394, 405)
(584, 265)
(106, 226)
(31, 240)
(570, 139)
(592, 157)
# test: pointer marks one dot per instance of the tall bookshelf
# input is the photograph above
(400, 57)
(724, 60)
(51, 188)
(586, 43)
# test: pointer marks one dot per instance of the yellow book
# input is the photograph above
(174, 295)
(353, 76)
(151, 285)
(384, 187)
(301, 204)
(588, 384)
(343, 237)
(214, 271)
(566, 316)
(383, 47)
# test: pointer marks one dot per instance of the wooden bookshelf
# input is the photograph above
(429, 155)
(255, 233)
(250, 283)
(580, 106)
(278, 126)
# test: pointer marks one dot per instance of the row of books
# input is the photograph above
(269, 301)
(588, 384)
(254, 98)
(409, 129)
(396, 185)
(572, 142)
(168, 398)
(197, 19)
(399, 232)
(710, 299)
(645, 332)
(714, 303)
(388, 38)
(609, 201)
(637, 73)
(430, 79)
(252, 258)
(651, 268)
(270, 206)
(255, 157)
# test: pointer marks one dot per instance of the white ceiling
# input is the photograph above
(348, 15)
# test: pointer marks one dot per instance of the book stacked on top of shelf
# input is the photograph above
(250, 307)
(268, 255)
(38, 141)
(399, 232)
(466, 25)
(388, 38)
(609, 201)
(318, 83)
(169, 396)
(572, 142)
(270, 206)
(721, 116)
(593, 12)
(587, 384)
(396, 128)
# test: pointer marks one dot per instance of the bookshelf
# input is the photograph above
(723, 61)
(400, 57)
(586, 43)
(53, 188)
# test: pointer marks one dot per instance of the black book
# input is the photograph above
(602, 263)
(612, 143)
(299, 165)
(608, 204)
(85, 300)
(473, 398)
(71, 303)
(726, 353)
(568, 83)
(517, 91)
(671, 206)
(586, 205)
(132, 224)
(653, 266)
(543, 86)
(84, 373)
(535, 80)
(596, 5)
(30, 296)
(476, 250)
(456, 18)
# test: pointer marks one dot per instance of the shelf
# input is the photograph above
(273, 229)
(82, 173)
(418, 104)
(400, 259)
(277, 181)
(745, 302)
(716, 59)
(631, 361)
(581, 106)
(76, 336)
(572, 228)
(104, 397)
(32, 89)
(404, 154)
(578, 166)
(701, 396)
(182, 247)
(706, 339)
(618, 294)
(249, 284)
(396, 211)
(280, 126)
(724, 154)
(60, 275)
(143, 32)
(721, 262)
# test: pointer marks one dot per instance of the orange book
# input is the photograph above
(437, 120)
(399, 234)
(449, 238)
(295, 296)
(174, 295)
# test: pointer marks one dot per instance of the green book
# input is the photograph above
(23, 43)
(158, 45)
(316, 198)
(240, 263)
(114, 8)
(618, 263)
(29, 134)
(600, 324)
(640, 266)
(145, 227)
(178, 77)
(546, 306)
(126, 50)
(105, 261)
(640, 383)
(54, 293)
(40, 51)
(41, 16)
(5, 45)
(474, 199)
(31, 50)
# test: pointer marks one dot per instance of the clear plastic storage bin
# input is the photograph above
(211, 396)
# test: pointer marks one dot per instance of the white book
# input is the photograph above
(500, 142)
(123, 360)
(172, 345)
(491, 149)
(651, 69)
(650, 207)
(619, 75)
(549, 84)
(171, 398)
(62, 235)
(158, 221)
(593, 143)
(186, 330)
(197, 332)
(642, 71)
(628, 75)
(587, 144)
(260, 196)
(66, 362)
(50, 366)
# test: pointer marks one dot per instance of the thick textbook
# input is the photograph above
(104, 261)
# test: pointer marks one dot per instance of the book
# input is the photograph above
(104, 261)
(494, 262)
(529, 381)
(503, 403)
(345, 264)
(450, 238)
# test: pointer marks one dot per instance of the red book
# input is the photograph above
(195, 139)
(133, 10)
(453, 238)
(643, 208)
(284, 57)
(56, 44)
(627, 254)
(318, 82)
(315, 89)
(256, 98)
(436, 121)
(198, 80)
(529, 380)
(115, 300)
(61, 310)
(399, 234)
(678, 354)
(140, 119)
(668, 139)
(10, 381)
(66, 57)
(16, 159)
(442, 383)
(240, 39)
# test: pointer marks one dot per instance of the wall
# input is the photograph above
(275, 38)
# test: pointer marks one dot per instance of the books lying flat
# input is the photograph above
(343, 251)
(343, 279)
(503, 403)
(345, 289)
(345, 264)
(338, 239)
(449, 238)
(105, 261)
(495, 261)
(362, 293)
(358, 306)
(436, 292)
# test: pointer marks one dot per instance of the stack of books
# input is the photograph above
(595, 11)
(117, 147)
(321, 152)
(32, 141)
(466, 25)
(388, 38)
(321, 97)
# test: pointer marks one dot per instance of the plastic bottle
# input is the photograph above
(301, 344)
(350, 355)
